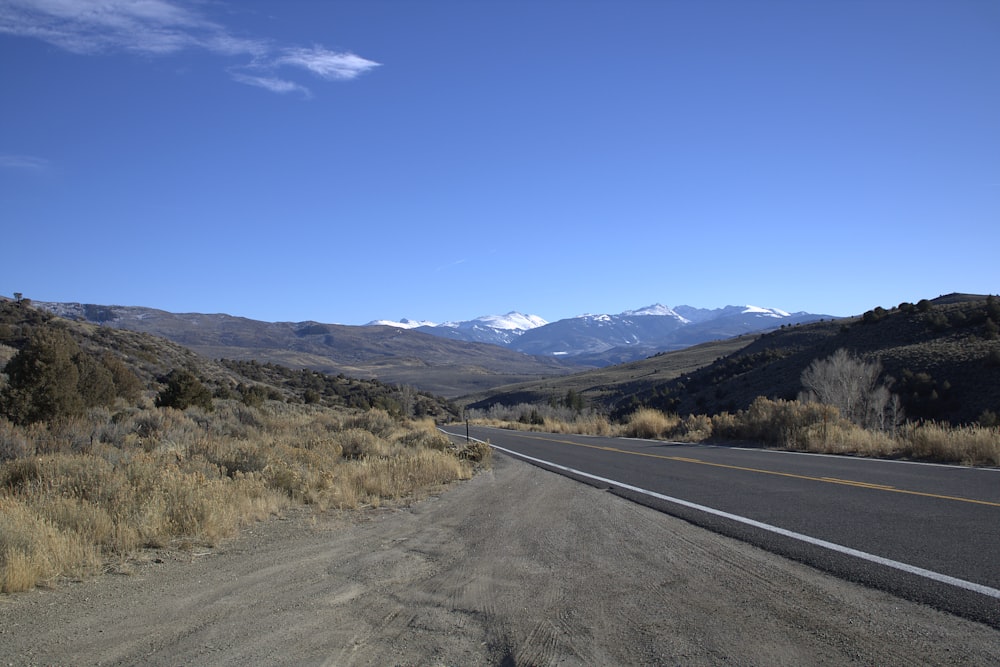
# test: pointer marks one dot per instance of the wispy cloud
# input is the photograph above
(327, 64)
(162, 27)
(143, 26)
(274, 84)
(28, 162)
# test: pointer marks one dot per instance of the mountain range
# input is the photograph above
(600, 340)
(451, 359)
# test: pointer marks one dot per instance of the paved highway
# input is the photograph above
(929, 533)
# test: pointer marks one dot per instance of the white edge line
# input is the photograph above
(904, 567)
(842, 457)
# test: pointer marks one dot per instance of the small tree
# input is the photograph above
(991, 330)
(183, 390)
(852, 386)
(127, 385)
(573, 401)
(95, 384)
(43, 379)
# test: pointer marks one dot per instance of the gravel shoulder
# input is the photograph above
(517, 566)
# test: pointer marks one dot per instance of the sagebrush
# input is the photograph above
(90, 491)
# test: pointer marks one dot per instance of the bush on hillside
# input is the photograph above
(51, 378)
(184, 390)
(855, 388)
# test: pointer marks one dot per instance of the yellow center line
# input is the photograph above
(826, 480)
(866, 485)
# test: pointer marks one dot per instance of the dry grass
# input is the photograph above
(34, 550)
(92, 491)
(651, 424)
(793, 425)
(549, 419)
(971, 445)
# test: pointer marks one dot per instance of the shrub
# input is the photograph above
(357, 443)
(991, 331)
(34, 550)
(126, 384)
(852, 386)
(42, 379)
(784, 423)
(696, 428)
(477, 452)
(184, 390)
(14, 442)
(649, 423)
(972, 445)
(375, 421)
(161, 476)
(427, 439)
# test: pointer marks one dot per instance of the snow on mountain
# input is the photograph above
(593, 318)
(765, 312)
(658, 310)
(512, 321)
(593, 339)
(401, 324)
(495, 329)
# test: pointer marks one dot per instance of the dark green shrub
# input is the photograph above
(252, 395)
(95, 383)
(43, 379)
(184, 390)
(127, 385)
(991, 330)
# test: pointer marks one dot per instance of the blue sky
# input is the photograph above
(354, 160)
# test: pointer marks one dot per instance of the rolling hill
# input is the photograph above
(941, 356)
(390, 354)
(149, 359)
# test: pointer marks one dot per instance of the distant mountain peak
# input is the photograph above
(400, 324)
(513, 320)
(655, 310)
(765, 312)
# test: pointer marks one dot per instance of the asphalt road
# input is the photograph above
(928, 533)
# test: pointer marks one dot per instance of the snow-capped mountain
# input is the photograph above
(481, 329)
(512, 321)
(596, 340)
(400, 324)
(696, 315)
(632, 334)
(655, 309)
(500, 330)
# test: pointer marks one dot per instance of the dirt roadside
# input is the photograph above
(516, 567)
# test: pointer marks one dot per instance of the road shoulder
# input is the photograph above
(516, 566)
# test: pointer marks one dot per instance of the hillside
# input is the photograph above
(943, 357)
(390, 354)
(451, 359)
(601, 387)
(151, 358)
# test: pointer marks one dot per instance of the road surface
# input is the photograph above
(929, 533)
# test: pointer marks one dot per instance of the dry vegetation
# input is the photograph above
(944, 356)
(88, 493)
(792, 425)
(934, 363)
